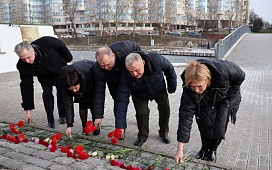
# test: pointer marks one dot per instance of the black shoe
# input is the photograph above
(200, 154)
(51, 125)
(210, 156)
(165, 139)
(96, 132)
(62, 120)
(139, 142)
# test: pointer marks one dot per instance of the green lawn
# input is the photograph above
(266, 30)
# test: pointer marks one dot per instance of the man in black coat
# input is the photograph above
(108, 68)
(143, 79)
(42, 58)
(76, 81)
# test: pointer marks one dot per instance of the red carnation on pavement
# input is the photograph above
(89, 127)
(114, 141)
(115, 135)
(21, 123)
(113, 162)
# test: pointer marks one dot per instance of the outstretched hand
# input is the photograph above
(69, 131)
(98, 123)
(28, 116)
(179, 156)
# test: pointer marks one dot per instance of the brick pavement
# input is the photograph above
(248, 143)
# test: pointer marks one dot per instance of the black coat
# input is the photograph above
(149, 86)
(212, 108)
(102, 77)
(85, 68)
(51, 55)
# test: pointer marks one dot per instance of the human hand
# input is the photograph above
(98, 123)
(69, 131)
(28, 116)
(123, 131)
(179, 156)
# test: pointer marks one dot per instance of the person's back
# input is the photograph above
(76, 81)
(108, 68)
(42, 58)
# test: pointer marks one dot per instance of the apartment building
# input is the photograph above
(126, 15)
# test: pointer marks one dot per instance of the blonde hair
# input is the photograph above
(197, 71)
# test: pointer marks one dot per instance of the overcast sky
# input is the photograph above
(263, 8)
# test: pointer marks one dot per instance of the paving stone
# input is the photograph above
(81, 166)
(2, 157)
(16, 156)
(4, 150)
(45, 155)
(39, 162)
(58, 167)
(30, 167)
(96, 162)
(65, 161)
(11, 163)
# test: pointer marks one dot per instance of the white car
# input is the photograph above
(65, 36)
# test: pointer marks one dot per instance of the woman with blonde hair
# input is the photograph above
(211, 93)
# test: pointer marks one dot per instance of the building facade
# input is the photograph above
(126, 15)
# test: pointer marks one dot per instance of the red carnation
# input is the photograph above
(89, 123)
(53, 149)
(25, 140)
(12, 126)
(63, 149)
(86, 155)
(123, 166)
(69, 154)
(22, 135)
(111, 134)
(79, 149)
(21, 123)
(129, 167)
(58, 136)
(113, 162)
(114, 141)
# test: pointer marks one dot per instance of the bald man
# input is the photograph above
(109, 66)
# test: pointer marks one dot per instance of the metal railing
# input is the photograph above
(225, 44)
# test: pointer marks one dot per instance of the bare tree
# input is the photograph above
(213, 14)
(70, 8)
(238, 11)
(118, 12)
(139, 11)
(103, 14)
(230, 12)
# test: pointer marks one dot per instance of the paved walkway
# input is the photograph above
(248, 144)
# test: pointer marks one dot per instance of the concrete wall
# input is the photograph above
(10, 35)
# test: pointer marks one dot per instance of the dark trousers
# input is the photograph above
(209, 143)
(84, 105)
(142, 114)
(48, 101)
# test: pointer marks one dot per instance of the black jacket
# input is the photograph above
(149, 86)
(212, 108)
(51, 56)
(121, 49)
(85, 69)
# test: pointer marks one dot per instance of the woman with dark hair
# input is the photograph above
(211, 93)
(76, 82)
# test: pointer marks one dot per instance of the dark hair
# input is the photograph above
(69, 78)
